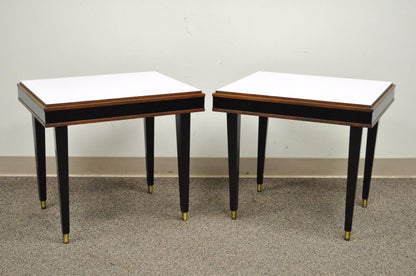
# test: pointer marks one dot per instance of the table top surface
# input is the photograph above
(104, 87)
(306, 87)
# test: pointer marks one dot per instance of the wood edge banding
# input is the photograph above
(122, 101)
(109, 102)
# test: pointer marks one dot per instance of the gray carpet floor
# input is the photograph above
(295, 226)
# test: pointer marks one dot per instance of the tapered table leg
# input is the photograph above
(369, 158)
(39, 139)
(183, 132)
(261, 151)
(233, 134)
(61, 145)
(149, 130)
(353, 161)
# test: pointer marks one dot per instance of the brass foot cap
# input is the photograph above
(43, 204)
(347, 235)
(233, 214)
(259, 188)
(365, 203)
(184, 216)
(66, 238)
(150, 189)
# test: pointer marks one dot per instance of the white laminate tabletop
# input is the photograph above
(328, 89)
(103, 87)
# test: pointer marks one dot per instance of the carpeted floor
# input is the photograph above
(295, 226)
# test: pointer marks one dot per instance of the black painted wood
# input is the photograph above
(122, 110)
(369, 158)
(183, 131)
(303, 112)
(39, 139)
(61, 146)
(261, 148)
(353, 161)
(233, 134)
(62, 115)
(149, 137)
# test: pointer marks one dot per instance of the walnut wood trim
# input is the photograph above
(130, 100)
(298, 118)
(109, 102)
(114, 109)
(123, 117)
(284, 100)
(376, 109)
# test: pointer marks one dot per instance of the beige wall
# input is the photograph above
(209, 44)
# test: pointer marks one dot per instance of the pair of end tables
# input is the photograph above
(62, 102)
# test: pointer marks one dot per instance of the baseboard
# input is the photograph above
(209, 167)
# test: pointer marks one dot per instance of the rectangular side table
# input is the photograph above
(88, 99)
(352, 102)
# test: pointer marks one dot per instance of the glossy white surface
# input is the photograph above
(329, 89)
(102, 87)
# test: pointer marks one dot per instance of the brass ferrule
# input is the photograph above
(259, 187)
(347, 235)
(66, 238)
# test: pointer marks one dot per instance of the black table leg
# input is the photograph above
(261, 151)
(149, 130)
(369, 158)
(61, 145)
(183, 127)
(233, 130)
(353, 161)
(39, 139)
